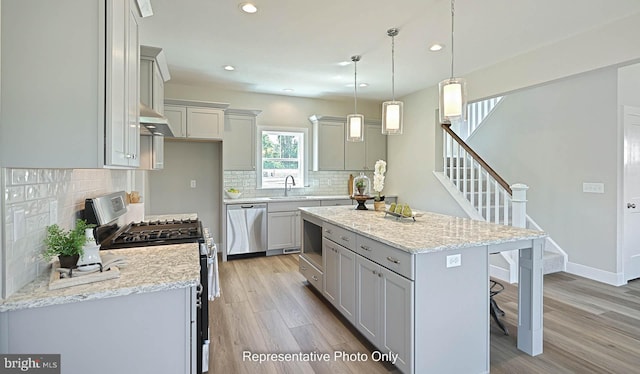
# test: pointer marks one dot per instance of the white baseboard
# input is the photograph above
(614, 279)
(499, 273)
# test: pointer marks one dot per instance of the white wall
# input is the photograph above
(169, 188)
(553, 138)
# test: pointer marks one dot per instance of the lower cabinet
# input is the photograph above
(284, 230)
(110, 335)
(339, 285)
(384, 310)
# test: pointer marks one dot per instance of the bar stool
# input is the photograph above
(495, 289)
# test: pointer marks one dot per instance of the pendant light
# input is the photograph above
(355, 122)
(392, 110)
(453, 91)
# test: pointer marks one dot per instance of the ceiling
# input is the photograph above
(298, 44)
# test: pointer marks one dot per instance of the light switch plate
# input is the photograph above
(193, 183)
(593, 187)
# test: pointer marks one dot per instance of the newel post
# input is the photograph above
(519, 200)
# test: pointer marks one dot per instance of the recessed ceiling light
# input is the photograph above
(151, 126)
(363, 85)
(344, 63)
(287, 89)
(229, 68)
(248, 8)
(436, 47)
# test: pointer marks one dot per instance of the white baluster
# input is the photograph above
(487, 204)
(458, 165)
(472, 171)
(506, 208)
(464, 175)
(479, 207)
(496, 202)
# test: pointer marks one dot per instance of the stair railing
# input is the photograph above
(482, 186)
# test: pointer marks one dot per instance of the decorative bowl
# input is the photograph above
(233, 195)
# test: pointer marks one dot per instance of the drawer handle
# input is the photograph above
(345, 238)
(327, 231)
(315, 278)
(303, 268)
(375, 272)
(394, 260)
(365, 248)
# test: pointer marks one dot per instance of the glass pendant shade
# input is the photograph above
(355, 128)
(392, 117)
(453, 100)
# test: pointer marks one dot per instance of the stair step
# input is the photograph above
(552, 262)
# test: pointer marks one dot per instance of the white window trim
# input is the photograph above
(306, 155)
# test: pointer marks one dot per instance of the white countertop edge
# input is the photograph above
(10, 306)
(282, 199)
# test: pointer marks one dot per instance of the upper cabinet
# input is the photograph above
(70, 85)
(331, 151)
(198, 120)
(239, 146)
(154, 71)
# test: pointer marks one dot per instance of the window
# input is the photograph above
(282, 154)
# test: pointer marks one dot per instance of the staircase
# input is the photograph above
(484, 195)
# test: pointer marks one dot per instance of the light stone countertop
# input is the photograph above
(148, 269)
(431, 232)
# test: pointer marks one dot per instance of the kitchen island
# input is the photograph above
(113, 325)
(420, 289)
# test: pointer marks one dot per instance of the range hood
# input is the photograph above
(154, 122)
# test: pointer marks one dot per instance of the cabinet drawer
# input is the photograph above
(393, 259)
(290, 206)
(336, 202)
(313, 275)
(339, 235)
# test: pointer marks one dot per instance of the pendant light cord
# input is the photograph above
(355, 60)
(452, 18)
(393, 68)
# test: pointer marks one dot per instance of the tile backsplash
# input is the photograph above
(317, 183)
(36, 198)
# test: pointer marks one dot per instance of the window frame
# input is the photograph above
(304, 171)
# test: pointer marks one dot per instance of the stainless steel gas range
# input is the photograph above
(105, 210)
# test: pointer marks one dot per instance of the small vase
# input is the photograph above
(68, 262)
(379, 206)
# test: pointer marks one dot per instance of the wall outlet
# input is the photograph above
(454, 260)
(193, 183)
(593, 187)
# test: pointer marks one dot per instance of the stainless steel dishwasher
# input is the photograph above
(246, 228)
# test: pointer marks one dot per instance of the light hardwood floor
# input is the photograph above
(267, 307)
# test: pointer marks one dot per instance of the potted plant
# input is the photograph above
(66, 244)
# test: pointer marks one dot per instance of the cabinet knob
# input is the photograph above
(379, 275)
(375, 272)
(366, 248)
(631, 206)
(327, 231)
(127, 156)
(345, 238)
(303, 268)
(315, 278)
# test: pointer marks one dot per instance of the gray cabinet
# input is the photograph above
(331, 151)
(81, 73)
(283, 230)
(384, 311)
(153, 73)
(339, 266)
(239, 146)
(198, 120)
(126, 324)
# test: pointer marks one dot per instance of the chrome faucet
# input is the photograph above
(293, 183)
